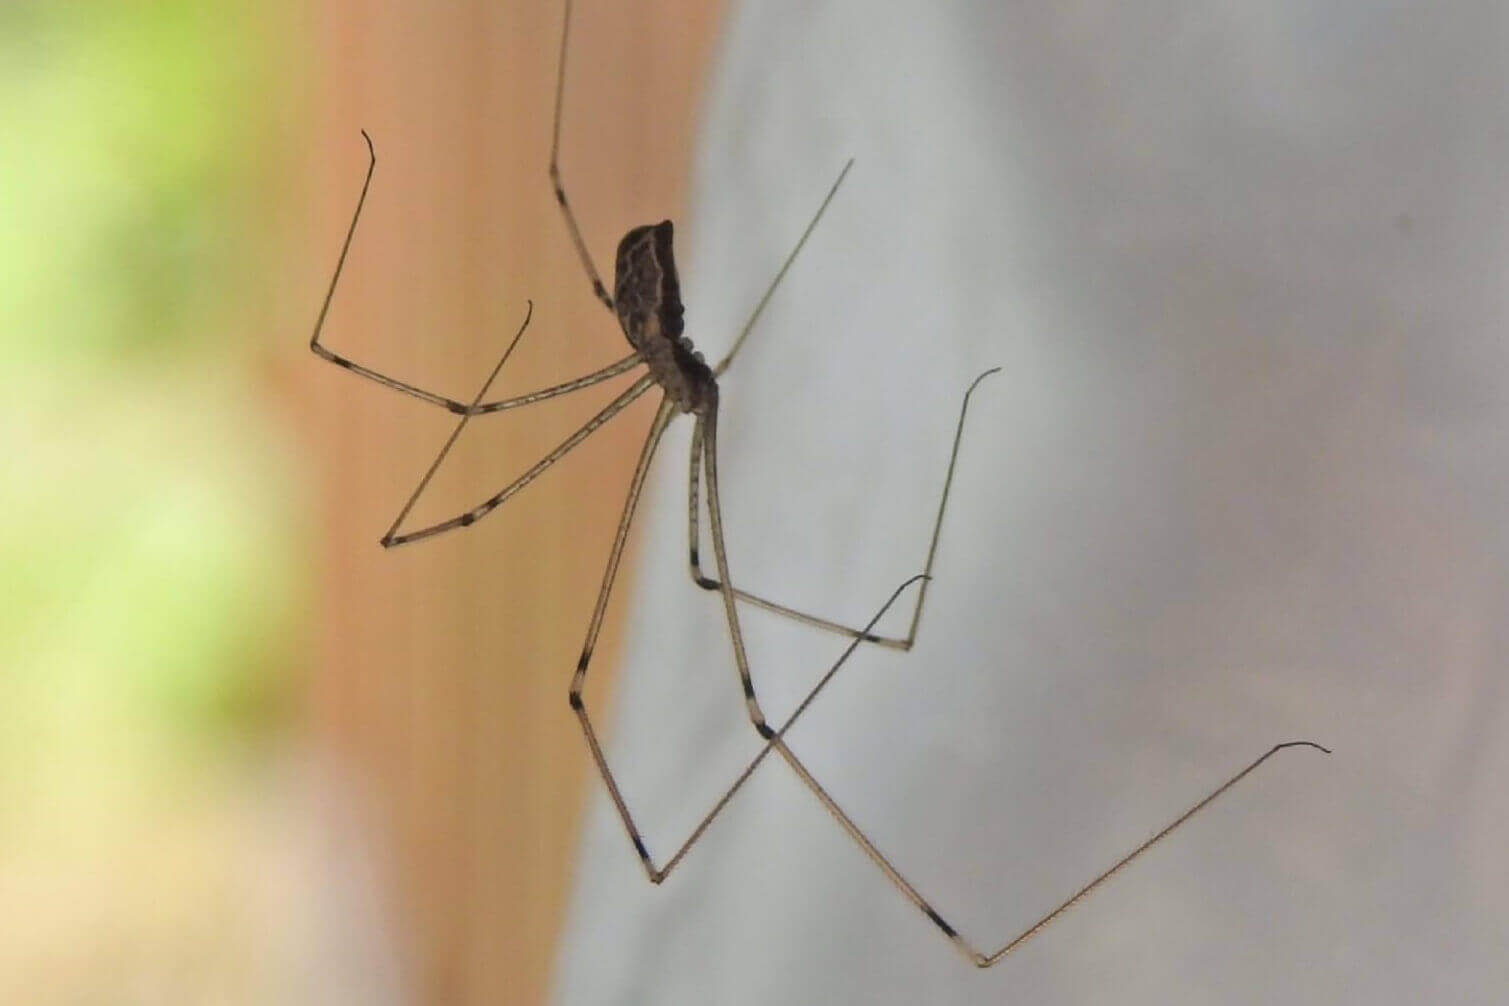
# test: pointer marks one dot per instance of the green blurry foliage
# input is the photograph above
(152, 579)
(151, 591)
(128, 129)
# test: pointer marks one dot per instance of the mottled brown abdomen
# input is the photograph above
(647, 297)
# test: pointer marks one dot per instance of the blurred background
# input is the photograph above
(247, 756)
(1242, 479)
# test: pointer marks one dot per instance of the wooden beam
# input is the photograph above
(442, 667)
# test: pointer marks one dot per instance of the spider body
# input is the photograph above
(647, 300)
(647, 303)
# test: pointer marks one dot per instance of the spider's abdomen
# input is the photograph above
(647, 297)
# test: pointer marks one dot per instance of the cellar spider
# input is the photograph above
(646, 300)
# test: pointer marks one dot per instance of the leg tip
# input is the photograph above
(976, 382)
(1303, 744)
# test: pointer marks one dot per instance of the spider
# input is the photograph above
(646, 301)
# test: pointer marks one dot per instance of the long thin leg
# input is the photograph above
(465, 418)
(707, 434)
(895, 643)
(709, 439)
(598, 290)
(476, 513)
(576, 384)
(451, 404)
(770, 290)
(610, 572)
(659, 873)
(986, 960)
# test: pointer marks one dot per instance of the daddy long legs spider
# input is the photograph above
(646, 301)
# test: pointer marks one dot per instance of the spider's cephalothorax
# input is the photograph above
(647, 297)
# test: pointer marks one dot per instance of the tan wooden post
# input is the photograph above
(441, 668)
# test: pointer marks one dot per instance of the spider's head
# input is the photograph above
(646, 289)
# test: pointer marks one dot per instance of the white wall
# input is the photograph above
(1243, 480)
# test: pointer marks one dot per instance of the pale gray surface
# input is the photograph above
(1244, 479)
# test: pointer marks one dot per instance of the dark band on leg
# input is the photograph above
(948, 930)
